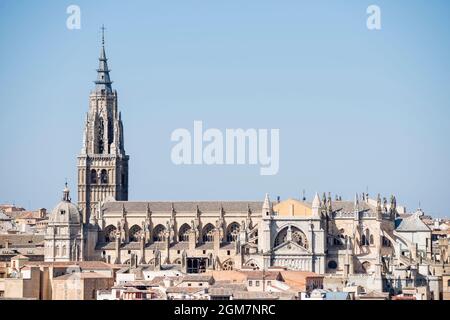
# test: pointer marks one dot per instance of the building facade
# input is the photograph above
(361, 237)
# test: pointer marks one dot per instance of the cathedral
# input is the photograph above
(325, 235)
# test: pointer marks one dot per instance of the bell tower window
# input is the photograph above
(93, 176)
(101, 131)
(104, 177)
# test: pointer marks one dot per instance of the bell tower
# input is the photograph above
(102, 163)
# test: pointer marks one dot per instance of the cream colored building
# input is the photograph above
(368, 241)
(80, 286)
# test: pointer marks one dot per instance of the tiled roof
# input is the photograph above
(197, 278)
(220, 291)
(259, 275)
(184, 289)
(251, 295)
(183, 206)
(231, 276)
(297, 279)
(83, 275)
(87, 265)
(29, 215)
(21, 239)
(349, 206)
(411, 223)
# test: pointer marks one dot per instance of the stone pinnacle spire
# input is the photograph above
(103, 82)
(266, 204)
(316, 201)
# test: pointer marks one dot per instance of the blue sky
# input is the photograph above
(355, 108)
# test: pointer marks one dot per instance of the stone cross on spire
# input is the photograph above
(103, 34)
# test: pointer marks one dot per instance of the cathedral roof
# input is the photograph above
(183, 206)
(349, 206)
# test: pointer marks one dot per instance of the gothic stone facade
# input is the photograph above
(322, 236)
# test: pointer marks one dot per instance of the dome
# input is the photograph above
(65, 211)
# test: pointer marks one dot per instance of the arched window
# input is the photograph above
(57, 251)
(183, 234)
(365, 239)
(159, 233)
(101, 130)
(64, 250)
(371, 239)
(110, 233)
(366, 266)
(93, 176)
(104, 177)
(135, 233)
(386, 242)
(208, 233)
(297, 236)
(233, 232)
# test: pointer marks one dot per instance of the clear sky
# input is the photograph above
(355, 108)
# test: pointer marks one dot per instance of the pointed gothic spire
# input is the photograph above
(266, 204)
(356, 202)
(356, 207)
(103, 82)
(316, 205)
(316, 201)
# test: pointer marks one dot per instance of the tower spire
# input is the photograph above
(103, 82)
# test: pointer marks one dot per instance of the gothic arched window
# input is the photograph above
(297, 236)
(104, 177)
(365, 238)
(135, 233)
(159, 233)
(366, 266)
(208, 233)
(93, 176)
(233, 232)
(183, 234)
(110, 233)
(101, 130)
